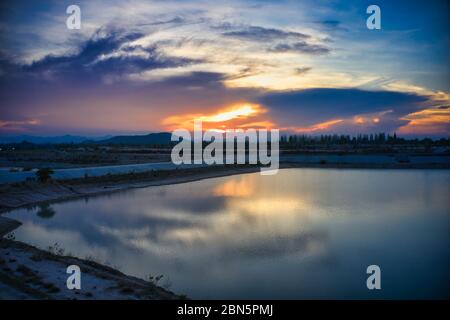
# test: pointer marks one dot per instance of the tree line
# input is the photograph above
(367, 139)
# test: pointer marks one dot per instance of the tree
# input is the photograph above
(44, 174)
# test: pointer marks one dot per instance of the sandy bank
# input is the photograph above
(30, 273)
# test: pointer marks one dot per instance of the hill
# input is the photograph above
(149, 139)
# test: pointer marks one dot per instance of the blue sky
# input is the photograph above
(300, 66)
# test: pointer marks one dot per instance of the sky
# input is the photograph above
(306, 67)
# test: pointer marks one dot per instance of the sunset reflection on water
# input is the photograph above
(303, 233)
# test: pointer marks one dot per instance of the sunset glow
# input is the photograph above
(318, 126)
(296, 66)
(428, 120)
(236, 116)
(225, 156)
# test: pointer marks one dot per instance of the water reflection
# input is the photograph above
(45, 211)
(303, 233)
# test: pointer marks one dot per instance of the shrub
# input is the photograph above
(44, 174)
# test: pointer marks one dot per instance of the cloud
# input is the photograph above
(293, 41)
(105, 53)
(432, 121)
(303, 70)
(256, 33)
(330, 23)
(6, 66)
(300, 46)
(134, 64)
(17, 125)
(102, 42)
(341, 110)
(175, 20)
(81, 105)
(319, 127)
(242, 115)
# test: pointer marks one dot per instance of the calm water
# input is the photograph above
(303, 233)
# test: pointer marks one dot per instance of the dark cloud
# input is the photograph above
(312, 106)
(199, 79)
(300, 46)
(92, 63)
(7, 66)
(330, 23)
(330, 26)
(287, 40)
(131, 64)
(175, 20)
(256, 33)
(303, 70)
(95, 60)
(99, 44)
(121, 107)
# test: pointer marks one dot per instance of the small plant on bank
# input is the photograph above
(56, 249)
(44, 174)
(154, 279)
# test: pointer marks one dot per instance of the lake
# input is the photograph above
(303, 233)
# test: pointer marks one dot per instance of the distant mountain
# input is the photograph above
(48, 140)
(151, 138)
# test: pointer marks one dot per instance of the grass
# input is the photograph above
(154, 279)
(21, 285)
(32, 278)
(51, 288)
(56, 249)
(25, 271)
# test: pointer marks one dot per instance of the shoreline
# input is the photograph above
(21, 195)
(24, 194)
(17, 174)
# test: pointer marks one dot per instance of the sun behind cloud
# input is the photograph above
(242, 115)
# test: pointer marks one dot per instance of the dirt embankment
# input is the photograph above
(30, 193)
(30, 273)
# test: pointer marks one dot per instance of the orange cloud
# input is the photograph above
(18, 125)
(244, 115)
(264, 124)
(317, 127)
(428, 121)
